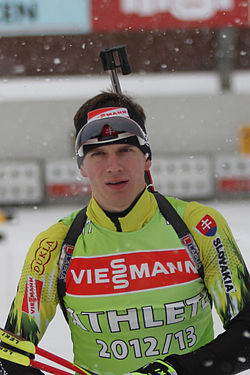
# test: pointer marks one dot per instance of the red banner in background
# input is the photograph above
(122, 15)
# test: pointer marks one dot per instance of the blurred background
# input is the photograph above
(190, 62)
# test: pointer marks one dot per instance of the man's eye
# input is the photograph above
(126, 149)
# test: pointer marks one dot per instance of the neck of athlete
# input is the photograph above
(114, 216)
(133, 218)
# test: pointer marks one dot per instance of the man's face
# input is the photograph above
(116, 175)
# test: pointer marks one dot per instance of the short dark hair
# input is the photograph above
(109, 99)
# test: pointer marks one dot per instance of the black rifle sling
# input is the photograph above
(67, 249)
(76, 228)
(181, 229)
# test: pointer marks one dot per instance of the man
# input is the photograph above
(134, 297)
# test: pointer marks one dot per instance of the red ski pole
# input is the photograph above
(28, 346)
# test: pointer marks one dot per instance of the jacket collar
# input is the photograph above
(137, 217)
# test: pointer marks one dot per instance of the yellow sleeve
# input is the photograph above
(225, 273)
(35, 303)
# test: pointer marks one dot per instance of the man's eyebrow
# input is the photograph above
(126, 145)
(98, 149)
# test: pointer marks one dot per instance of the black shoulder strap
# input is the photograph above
(181, 229)
(67, 249)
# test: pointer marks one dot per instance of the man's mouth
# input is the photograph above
(114, 183)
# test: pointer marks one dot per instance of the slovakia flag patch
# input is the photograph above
(207, 226)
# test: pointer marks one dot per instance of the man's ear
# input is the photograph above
(148, 164)
(82, 170)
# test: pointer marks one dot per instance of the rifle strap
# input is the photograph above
(181, 229)
(67, 249)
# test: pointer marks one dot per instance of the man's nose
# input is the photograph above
(114, 163)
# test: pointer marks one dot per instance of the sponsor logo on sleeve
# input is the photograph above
(207, 226)
(129, 272)
(65, 258)
(192, 249)
(32, 296)
(43, 255)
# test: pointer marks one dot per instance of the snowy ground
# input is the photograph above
(29, 221)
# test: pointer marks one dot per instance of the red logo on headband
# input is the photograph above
(100, 113)
(107, 131)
